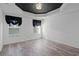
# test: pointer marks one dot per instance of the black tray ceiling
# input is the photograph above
(46, 7)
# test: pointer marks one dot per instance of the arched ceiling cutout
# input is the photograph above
(38, 8)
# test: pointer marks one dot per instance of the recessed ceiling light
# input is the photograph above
(38, 6)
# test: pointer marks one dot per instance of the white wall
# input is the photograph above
(1, 29)
(69, 7)
(10, 7)
(63, 27)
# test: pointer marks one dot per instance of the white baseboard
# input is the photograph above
(16, 41)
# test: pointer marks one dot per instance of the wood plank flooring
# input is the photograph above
(38, 48)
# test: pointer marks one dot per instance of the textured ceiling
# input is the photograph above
(46, 7)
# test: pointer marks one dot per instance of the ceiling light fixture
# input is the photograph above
(39, 6)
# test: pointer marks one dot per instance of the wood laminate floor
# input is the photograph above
(38, 48)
